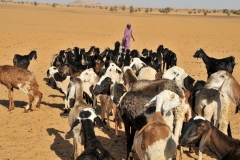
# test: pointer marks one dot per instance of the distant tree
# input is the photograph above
(131, 9)
(115, 8)
(86, 6)
(106, 7)
(123, 8)
(205, 13)
(139, 9)
(194, 12)
(146, 10)
(225, 11)
(68, 5)
(111, 8)
(189, 12)
(136, 10)
(214, 11)
(35, 3)
(167, 10)
(151, 9)
(100, 7)
(54, 5)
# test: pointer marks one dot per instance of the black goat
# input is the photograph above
(213, 65)
(24, 61)
(169, 58)
(199, 131)
(93, 147)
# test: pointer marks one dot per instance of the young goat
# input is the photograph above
(93, 147)
(24, 61)
(200, 131)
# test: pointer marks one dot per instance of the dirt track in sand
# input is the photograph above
(41, 134)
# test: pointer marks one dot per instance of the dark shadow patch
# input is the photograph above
(54, 96)
(61, 147)
(54, 105)
(18, 104)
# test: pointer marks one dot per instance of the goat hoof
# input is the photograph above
(10, 108)
(25, 111)
(191, 149)
(65, 110)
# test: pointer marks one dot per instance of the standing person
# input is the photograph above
(127, 36)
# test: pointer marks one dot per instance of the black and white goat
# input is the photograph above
(93, 147)
(202, 132)
(23, 61)
(213, 65)
(62, 83)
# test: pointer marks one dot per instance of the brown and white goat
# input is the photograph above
(156, 140)
(201, 131)
(22, 79)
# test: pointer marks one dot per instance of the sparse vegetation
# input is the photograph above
(35, 3)
(123, 8)
(131, 9)
(165, 10)
(113, 8)
(151, 9)
(54, 5)
(205, 13)
(189, 12)
(146, 10)
(106, 7)
(139, 9)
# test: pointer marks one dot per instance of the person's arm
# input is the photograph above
(133, 38)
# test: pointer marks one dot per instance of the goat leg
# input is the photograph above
(10, 96)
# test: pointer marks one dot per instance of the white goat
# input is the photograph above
(143, 71)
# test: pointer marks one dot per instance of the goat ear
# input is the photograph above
(118, 71)
(75, 123)
(205, 137)
(99, 122)
(159, 104)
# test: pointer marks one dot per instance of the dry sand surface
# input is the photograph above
(40, 134)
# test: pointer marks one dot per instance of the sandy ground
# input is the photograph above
(40, 134)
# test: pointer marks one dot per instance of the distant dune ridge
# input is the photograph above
(83, 3)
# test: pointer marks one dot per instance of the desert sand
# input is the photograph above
(40, 135)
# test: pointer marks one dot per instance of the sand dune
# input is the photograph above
(41, 134)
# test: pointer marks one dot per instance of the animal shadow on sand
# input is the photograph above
(54, 105)
(195, 150)
(20, 104)
(61, 147)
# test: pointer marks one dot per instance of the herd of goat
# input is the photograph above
(160, 110)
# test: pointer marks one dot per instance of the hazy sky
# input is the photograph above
(199, 4)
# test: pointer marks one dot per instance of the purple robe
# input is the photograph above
(126, 38)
